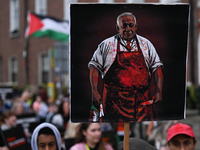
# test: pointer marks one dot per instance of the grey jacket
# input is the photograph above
(36, 131)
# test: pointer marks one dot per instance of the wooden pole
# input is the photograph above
(126, 135)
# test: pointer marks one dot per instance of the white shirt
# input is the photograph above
(105, 54)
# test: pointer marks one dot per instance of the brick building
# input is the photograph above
(13, 45)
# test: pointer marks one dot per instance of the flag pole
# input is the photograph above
(25, 59)
(25, 51)
(126, 135)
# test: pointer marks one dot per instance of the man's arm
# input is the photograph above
(158, 75)
(94, 75)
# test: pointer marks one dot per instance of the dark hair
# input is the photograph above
(46, 131)
(81, 137)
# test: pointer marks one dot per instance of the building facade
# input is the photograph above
(27, 61)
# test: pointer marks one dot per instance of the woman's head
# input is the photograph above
(38, 98)
(89, 133)
(9, 119)
(64, 108)
(18, 108)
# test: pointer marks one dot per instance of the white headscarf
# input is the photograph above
(36, 131)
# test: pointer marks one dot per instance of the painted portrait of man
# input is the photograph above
(128, 62)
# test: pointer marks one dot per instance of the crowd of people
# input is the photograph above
(28, 103)
(55, 131)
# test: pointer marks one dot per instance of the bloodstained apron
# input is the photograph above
(126, 88)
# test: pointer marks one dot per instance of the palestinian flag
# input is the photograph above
(40, 26)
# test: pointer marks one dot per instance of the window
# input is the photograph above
(66, 8)
(41, 7)
(61, 58)
(43, 68)
(13, 69)
(14, 18)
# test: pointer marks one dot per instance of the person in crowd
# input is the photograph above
(50, 100)
(40, 108)
(180, 137)
(18, 108)
(137, 144)
(43, 93)
(64, 111)
(46, 136)
(127, 62)
(89, 138)
(8, 120)
(53, 116)
(25, 97)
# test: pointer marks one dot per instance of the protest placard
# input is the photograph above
(140, 81)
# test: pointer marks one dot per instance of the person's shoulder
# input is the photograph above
(110, 39)
(78, 146)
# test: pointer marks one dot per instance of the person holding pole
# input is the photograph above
(127, 63)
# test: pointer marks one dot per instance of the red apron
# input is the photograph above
(126, 86)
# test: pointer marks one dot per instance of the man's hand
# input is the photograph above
(158, 75)
(96, 97)
(157, 97)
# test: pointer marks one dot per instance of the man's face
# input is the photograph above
(46, 142)
(181, 142)
(127, 27)
(11, 121)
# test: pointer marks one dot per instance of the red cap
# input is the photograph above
(179, 128)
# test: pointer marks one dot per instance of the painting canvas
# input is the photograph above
(128, 62)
